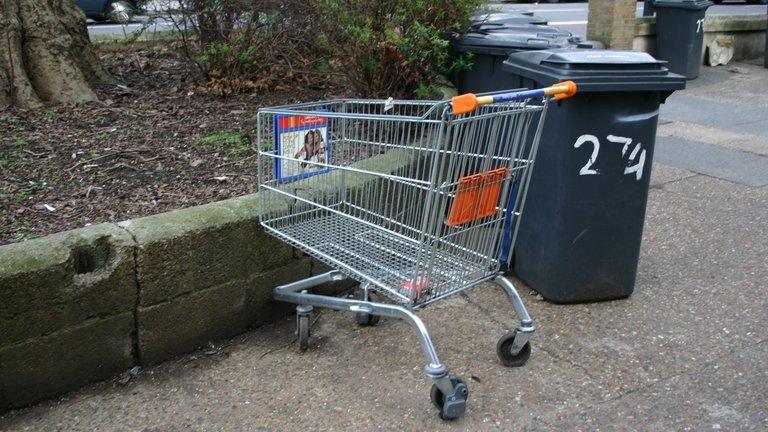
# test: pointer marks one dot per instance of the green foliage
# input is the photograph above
(236, 53)
(6, 220)
(233, 143)
(10, 159)
(28, 190)
(5, 160)
(21, 196)
(395, 48)
(51, 116)
(242, 44)
(20, 143)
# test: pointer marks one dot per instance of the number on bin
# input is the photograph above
(635, 159)
(587, 168)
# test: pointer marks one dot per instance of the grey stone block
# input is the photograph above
(64, 279)
(188, 322)
(46, 366)
(197, 248)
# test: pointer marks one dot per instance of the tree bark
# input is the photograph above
(45, 54)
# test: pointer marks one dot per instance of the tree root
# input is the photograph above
(45, 54)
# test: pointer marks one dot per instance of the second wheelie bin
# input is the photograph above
(680, 34)
(491, 46)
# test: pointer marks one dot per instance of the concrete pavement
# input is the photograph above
(687, 351)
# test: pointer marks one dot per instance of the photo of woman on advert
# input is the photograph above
(313, 150)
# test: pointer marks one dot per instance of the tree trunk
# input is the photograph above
(45, 54)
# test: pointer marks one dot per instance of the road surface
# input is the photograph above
(569, 16)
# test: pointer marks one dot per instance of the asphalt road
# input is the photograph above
(570, 16)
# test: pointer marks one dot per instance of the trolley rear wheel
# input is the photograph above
(504, 351)
(365, 319)
(302, 323)
(453, 406)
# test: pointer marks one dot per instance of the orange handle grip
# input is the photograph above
(563, 90)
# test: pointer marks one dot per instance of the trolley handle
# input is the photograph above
(468, 102)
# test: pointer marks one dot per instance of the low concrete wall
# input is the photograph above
(645, 35)
(83, 305)
(748, 32)
(66, 311)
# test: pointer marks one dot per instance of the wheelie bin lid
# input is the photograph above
(526, 29)
(595, 70)
(508, 39)
(683, 4)
(501, 19)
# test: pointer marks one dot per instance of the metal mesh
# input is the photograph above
(379, 198)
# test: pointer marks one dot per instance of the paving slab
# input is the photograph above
(716, 113)
(710, 135)
(661, 174)
(729, 164)
(740, 83)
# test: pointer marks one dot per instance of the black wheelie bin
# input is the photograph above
(680, 34)
(490, 47)
(579, 237)
(648, 9)
(502, 19)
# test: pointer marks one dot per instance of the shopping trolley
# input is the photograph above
(408, 198)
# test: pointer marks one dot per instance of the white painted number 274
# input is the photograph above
(636, 158)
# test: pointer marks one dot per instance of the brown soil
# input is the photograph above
(155, 143)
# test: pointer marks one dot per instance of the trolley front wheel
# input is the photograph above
(366, 320)
(508, 355)
(451, 406)
(302, 324)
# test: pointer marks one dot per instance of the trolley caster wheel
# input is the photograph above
(452, 406)
(504, 351)
(302, 322)
(366, 320)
